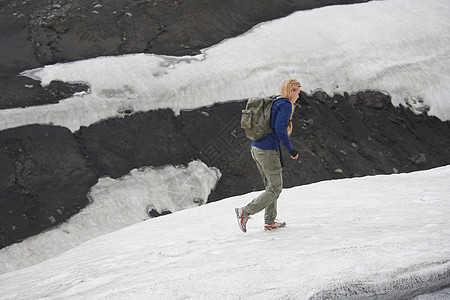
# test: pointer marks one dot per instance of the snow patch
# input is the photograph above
(366, 237)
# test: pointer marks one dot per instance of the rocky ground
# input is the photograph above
(47, 170)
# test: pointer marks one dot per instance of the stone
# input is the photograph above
(419, 159)
(321, 96)
(42, 170)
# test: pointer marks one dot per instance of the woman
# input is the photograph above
(267, 156)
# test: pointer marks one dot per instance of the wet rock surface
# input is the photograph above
(47, 170)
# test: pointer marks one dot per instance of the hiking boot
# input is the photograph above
(242, 218)
(275, 225)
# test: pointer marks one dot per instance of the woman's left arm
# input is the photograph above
(281, 124)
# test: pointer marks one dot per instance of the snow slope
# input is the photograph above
(383, 237)
(117, 203)
(401, 47)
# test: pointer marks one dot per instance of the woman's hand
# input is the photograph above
(294, 154)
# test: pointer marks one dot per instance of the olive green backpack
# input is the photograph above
(255, 119)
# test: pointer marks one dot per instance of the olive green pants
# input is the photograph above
(269, 166)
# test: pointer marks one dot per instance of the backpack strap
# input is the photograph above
(275, 98)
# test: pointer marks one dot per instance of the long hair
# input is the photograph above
(288, 86)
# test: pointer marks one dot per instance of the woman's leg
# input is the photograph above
(268, 163)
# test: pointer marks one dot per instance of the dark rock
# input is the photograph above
(353, 99)
(321, 96)
(42, 170)
(374, 99)
(152, 212)
(419, 159)
(61, 90)
(118, 145)
(126, 110)
(165, 212)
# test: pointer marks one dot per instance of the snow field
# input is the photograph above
(390, 241)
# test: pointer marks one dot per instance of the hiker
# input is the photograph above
(266, 153)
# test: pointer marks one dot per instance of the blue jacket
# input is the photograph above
(279, 118)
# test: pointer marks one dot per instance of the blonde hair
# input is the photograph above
(288, 86)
